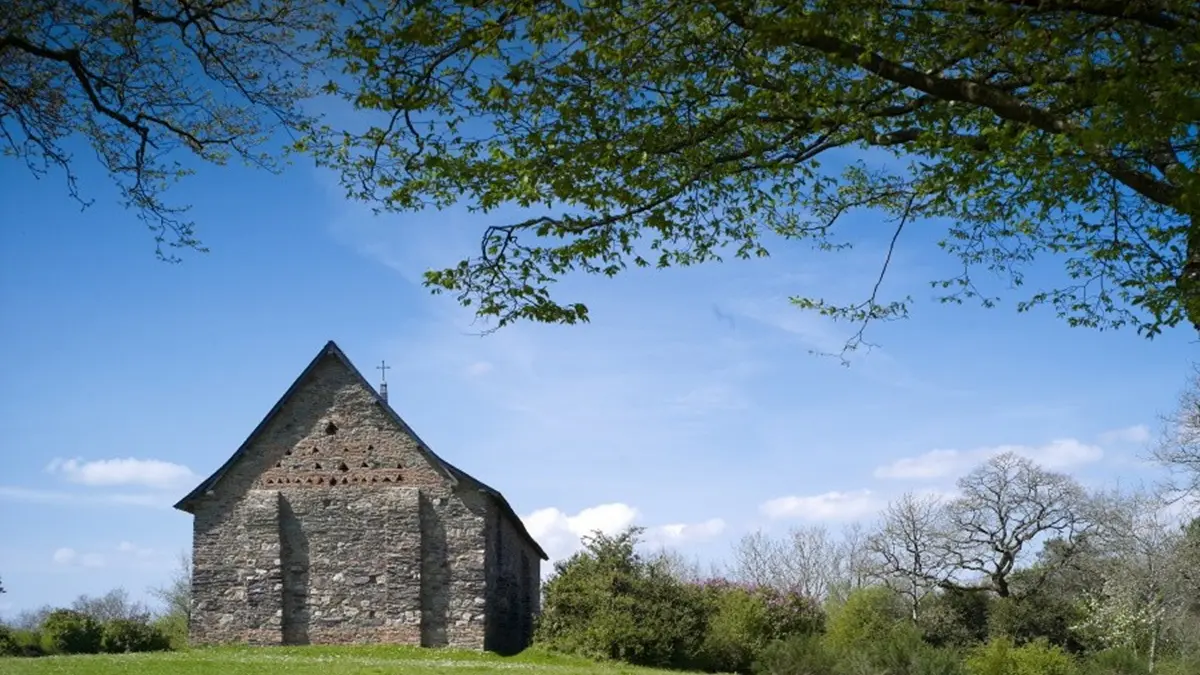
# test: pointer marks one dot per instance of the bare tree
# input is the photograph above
(1005, 505)
(176, 595)
(756, 560)
(1178, 447)
(910, 549)
(114, 604)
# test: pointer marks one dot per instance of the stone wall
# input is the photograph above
(334, 528)
(514, 579)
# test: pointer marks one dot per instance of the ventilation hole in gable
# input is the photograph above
(315, 450)
(270, 481)
(370, 448)
(308, 480)
(278, 465)
(317, 465)
(343, 481)
(364, 466)
(386, 479)
(397, 478)
(343, 468)
(289, 452)
(320, 480)
(374, 479)
(399, 465)
(331, 429)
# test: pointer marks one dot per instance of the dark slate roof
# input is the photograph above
(455, 474)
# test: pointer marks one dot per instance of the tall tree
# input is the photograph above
(663, 133)
(1005, 507)
(155, 88)
(1178, 448)
(908, 545)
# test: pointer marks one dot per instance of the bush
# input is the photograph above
(1035, 616)
(743, 620)
(1001, 657)
(8, 643)
(1119, 661)
(867, 615)
(69, 632)
(175, 627)
(955, 618)
(607, 602)
(130, 635)
(798, 655)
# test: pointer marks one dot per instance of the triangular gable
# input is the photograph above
(452, 473)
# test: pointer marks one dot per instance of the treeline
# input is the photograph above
(1022, 572)
(110, 623)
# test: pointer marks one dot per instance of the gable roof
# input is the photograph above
(455, 474)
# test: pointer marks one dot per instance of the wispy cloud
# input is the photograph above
(1061, 454)
(151, 473)
(33, 496)
(829, 506)
(1137, 434)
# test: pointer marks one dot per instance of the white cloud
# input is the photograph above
(679, 533)
(64, 556)
(828, 506)
(1057, 455)
(152, 473)
(479, 368)
(19, 494)
(1136, 435)
(69, 557)
(559, 534)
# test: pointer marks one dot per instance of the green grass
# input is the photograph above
(365, 660)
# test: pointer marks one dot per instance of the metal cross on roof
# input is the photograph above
(383, 367)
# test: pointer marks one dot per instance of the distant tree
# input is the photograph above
(176, 594)
(658, 134)
(1006, 505)
(2, 587)
(113, 605)
(912, 559)
(154, 88)
(1178, 447)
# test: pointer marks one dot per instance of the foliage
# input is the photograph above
(867, 616)
(1119, 661)
(8, 643)
(743, 620)
(1035, 616)
(607, 602)
(69, 632)
(176, 597)
(1000, 657)
(114, 604)
(130, 635)
(797, 655)
(659, 134)
(955, 617)
(154, 89)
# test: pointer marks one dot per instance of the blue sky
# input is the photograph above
(690, 405)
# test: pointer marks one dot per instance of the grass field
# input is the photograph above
(314, 661)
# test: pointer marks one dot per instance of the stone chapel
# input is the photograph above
(334, 523)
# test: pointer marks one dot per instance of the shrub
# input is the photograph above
(744, 619)
(955, 618)
(130, 635)
(69, 632)
(798, 655)
(27, 642)
(8, 643)
(1035, 616)
(866, 616)
(607, 602)
(174, 626)
(1001, 657)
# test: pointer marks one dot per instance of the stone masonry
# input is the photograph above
(334, 523)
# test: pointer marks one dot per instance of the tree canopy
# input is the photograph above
(154, 88)
(666, 133)
(659, 133)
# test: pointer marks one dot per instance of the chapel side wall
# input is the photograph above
(514, 580)
(455, 593)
